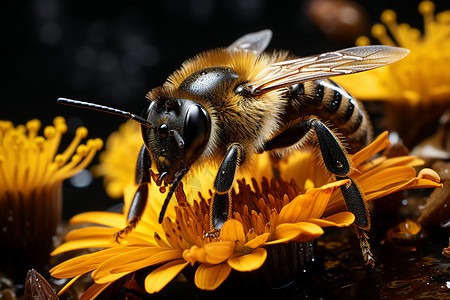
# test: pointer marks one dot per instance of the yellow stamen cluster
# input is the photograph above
(29, 161)
(31, 176)
(422, 75)
(256, 208)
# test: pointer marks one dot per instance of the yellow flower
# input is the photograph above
(181, 239)
(31, 176)
(118, 161)
(421, 76)
(417, 88)
(265, 216)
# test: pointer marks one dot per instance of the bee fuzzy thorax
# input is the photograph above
(213, 79)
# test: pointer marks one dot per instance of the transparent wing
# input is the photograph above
(342, 62)
(255, 41)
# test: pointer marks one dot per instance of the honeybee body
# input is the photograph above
(226, 105)
(215, 80)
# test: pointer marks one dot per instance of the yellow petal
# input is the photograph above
(131, 261)
(248, 262)
(383, 179)
(387, 182)
(309, 205)
(103, 218)
(322, 196)
(380, 143)
(105, 233)
(295, 210)
(86, 263)
(68, 285)
(415, 183)
(155, 259)
(210, 277)
(83, 244)
(258, 241)
(232, 230)
(94, 290)
(212, 253)
(298, 232)
(159, 278)
(342, 219)
(429, 174)
(382, 162)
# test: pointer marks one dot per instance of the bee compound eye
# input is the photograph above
(197, 126)
(163, 130)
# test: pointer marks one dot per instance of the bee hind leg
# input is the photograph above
(355, 203)
(137, 207)
(337, 163)
(220, 208)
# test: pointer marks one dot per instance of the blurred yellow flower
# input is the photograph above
(266, 214)
(118, 161)
(31, 176)
(417, 88)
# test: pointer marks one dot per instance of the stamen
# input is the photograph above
(379, 32)
(426, 8)
(80, 134)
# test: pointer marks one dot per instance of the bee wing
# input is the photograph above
(255, 41)
(342, 62)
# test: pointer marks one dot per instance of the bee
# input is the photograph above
(228, 105)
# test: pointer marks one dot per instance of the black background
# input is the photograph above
(113, 53)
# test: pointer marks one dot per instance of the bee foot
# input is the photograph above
(365, 246)
(119, 234)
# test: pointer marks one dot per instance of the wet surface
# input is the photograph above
(400, 273)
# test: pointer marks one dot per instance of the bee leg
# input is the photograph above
(137, 207)
(220, 208)
(355, 203)
(336, 162)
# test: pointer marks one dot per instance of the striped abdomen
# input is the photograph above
(333, 105)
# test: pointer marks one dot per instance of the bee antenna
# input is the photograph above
(105, 109)
(174, 186)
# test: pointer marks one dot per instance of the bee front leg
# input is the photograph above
(137, 207)
(220, 208)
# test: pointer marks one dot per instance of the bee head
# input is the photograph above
(179, 133)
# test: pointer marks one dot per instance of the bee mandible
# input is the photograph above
(227, 105)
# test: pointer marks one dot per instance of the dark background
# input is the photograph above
(113, 53)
